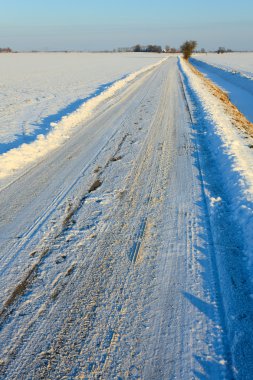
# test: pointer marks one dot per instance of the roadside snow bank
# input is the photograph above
(233, 152)
(27, 153)
(238, 86)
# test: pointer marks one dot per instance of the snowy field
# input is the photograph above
(241, 62)
(37, 89)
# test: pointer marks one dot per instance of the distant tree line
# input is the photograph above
(222, 50)
(5, 50)
(147, 49)
(187, 49)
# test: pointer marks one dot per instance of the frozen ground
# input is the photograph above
(37, 89)
(126, 252)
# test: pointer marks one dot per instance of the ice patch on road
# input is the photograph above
(27, 153)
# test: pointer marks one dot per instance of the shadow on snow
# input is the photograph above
(239, 87)
(223, 244)
(44, 127)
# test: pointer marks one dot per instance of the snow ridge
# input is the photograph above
(18, 158)
(234, 153)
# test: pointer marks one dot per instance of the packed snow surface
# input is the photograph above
(107, 261)
(126, 252)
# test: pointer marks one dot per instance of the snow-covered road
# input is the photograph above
(111, 265)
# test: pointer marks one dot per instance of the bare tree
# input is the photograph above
(137, 48)
(154, 49)
(221, 50)
(187, 48)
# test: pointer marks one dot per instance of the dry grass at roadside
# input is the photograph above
(238, 119)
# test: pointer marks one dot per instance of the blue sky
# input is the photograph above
(108, 24)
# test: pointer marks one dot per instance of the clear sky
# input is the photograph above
(108, 24)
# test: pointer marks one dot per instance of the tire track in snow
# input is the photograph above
(220, 313)
(110, 258)
(119, 318)
(228, 239)
(29, 240)
(111, 160)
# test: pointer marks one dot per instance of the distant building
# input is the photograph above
(5, 50)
